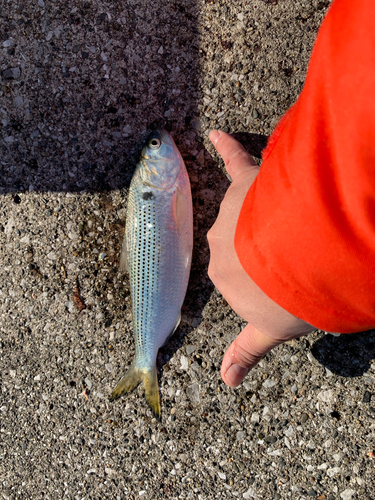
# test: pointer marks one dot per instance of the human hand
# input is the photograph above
(269, 324)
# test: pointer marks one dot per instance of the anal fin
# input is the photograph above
(174, 328)
(176, 325)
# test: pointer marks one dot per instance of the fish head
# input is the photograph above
(160, 161)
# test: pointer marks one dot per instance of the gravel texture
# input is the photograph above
(80, 84)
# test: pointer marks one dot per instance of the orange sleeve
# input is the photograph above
(306, 231)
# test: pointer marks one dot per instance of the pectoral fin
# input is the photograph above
(181, 209)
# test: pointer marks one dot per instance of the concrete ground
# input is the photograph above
(81, 82)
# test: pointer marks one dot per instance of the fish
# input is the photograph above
(157, 253)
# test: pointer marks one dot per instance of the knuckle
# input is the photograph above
(246, 354)
(237, 156)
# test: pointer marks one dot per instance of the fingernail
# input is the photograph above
(214, 136)
(235, 375)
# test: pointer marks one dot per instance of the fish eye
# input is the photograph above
(155, 143)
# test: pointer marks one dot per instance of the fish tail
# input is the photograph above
(150, 383)
(151, 386)
(128, 382)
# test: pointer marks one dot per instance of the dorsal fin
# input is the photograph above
(123, 266)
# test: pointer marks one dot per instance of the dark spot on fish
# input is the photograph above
(148, 195)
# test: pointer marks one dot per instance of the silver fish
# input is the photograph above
(157, 251)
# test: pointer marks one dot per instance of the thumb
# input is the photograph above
(244, 353)
(237, 160)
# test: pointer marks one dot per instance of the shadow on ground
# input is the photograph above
(253, 143)
(80, 85)
(346, 355)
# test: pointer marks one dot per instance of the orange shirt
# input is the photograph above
(306, 231)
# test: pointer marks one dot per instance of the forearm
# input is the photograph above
(306, 231)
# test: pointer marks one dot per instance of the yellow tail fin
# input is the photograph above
(150, 383)
(151, 386)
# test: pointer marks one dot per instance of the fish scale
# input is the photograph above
(154, 269)
(157, 248)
